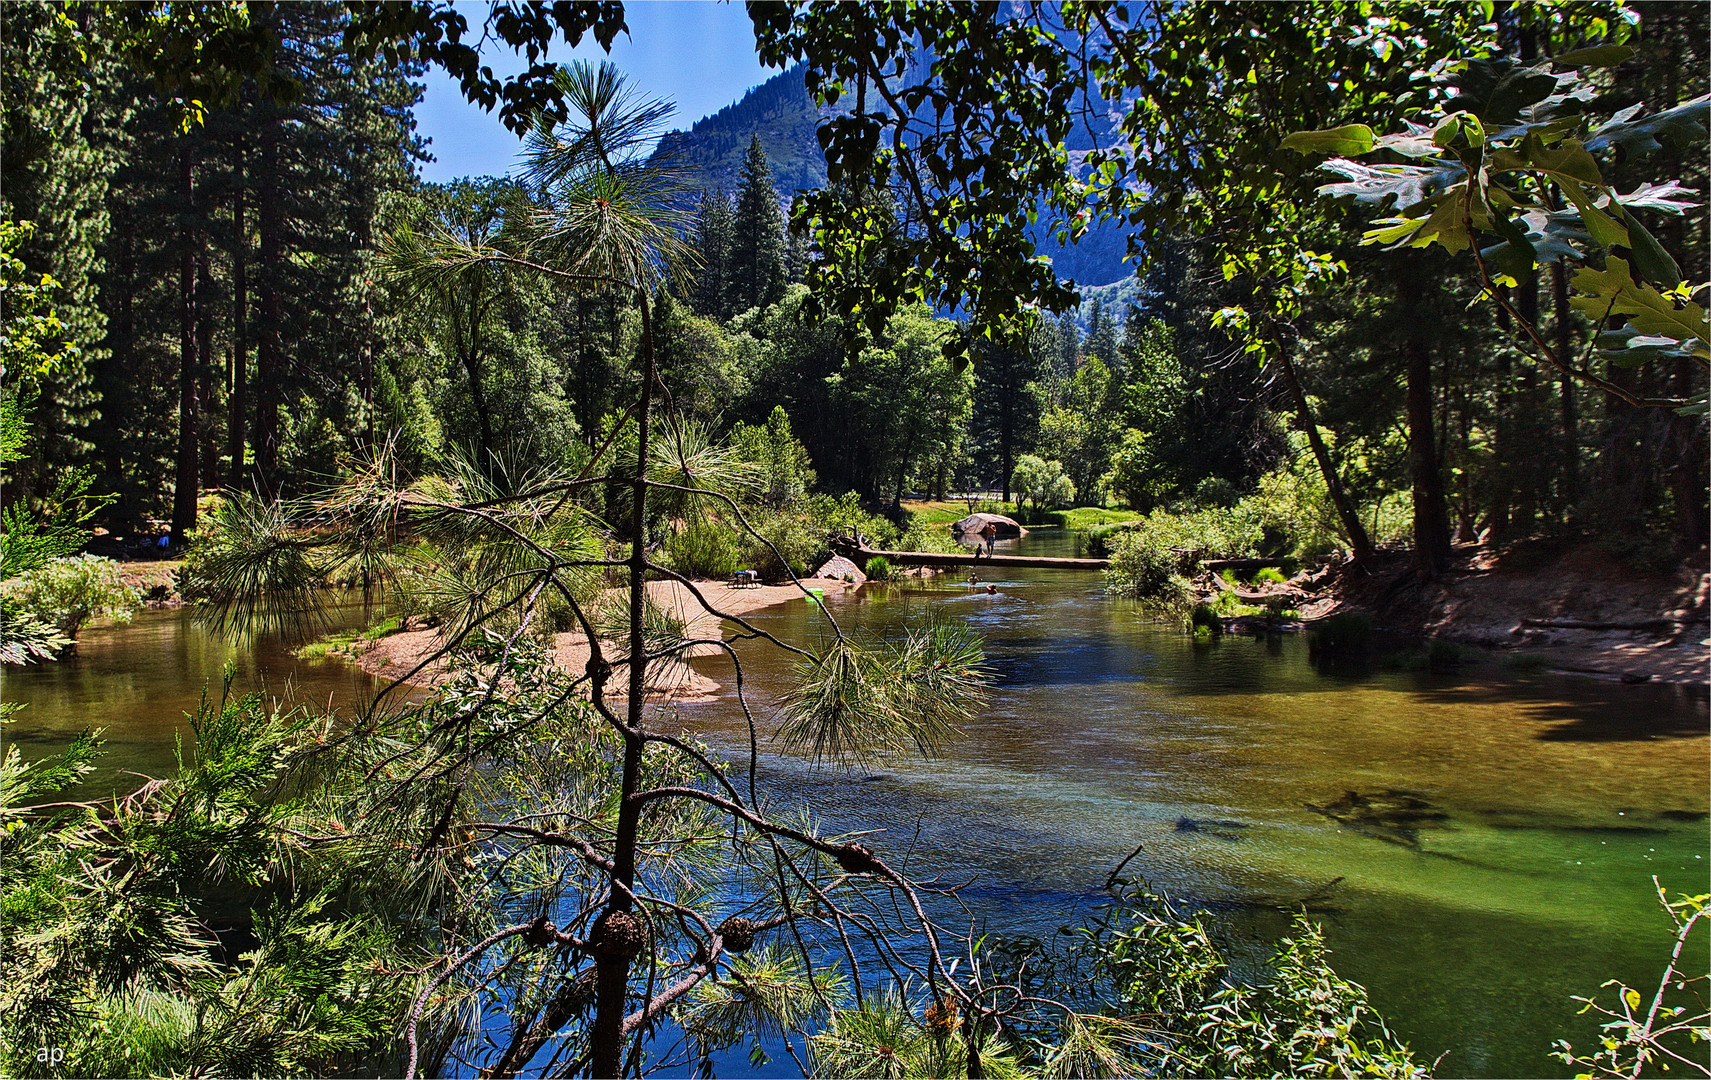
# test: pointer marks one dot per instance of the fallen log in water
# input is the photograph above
(939, 558)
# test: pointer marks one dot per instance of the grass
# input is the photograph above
(343, 645)
(1083, 516)
(935, 513)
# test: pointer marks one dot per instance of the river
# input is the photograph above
(1540, 805)
(1529, 812)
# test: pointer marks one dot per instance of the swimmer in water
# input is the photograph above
(991, 588)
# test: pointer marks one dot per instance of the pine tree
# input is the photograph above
(1069, 342)
(1006, 419)
(756, 276)
(713, 235)
(58, 159)
(1102, 335)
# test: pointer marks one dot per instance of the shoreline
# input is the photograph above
(393, 656)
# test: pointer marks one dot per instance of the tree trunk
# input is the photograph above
(1358, 539)
(470, 357)
(1431, 516)
(612, 972)
(264, 443)
(1570, 420)
(207, 435)
(237, 404)
(187, 479)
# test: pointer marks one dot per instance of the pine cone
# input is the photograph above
(739, 934)
(617, 935)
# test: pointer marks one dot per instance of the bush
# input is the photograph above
(1150, 572)
(878, 568)
(1044, 483)
(1300, 1018)
(706, 549)
(1269, 575)
(66, 593)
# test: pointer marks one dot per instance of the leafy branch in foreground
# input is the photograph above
(1639, 1033)
(1509, 171)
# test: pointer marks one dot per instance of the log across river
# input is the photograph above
(860, 555)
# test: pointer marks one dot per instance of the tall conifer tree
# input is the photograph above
(757, 245)
(1102, 335)
(713, 236)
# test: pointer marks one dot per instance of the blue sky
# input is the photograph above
(697, 53)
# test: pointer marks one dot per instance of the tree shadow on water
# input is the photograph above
(1584, 710)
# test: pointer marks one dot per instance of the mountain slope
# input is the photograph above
(785, 117)
(781, 112)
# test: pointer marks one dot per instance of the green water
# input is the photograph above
(1542, 805)
(1547, 802)
(137, 682)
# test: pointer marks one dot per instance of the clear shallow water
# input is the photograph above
(1528, 813)
(137, 682)
(1560, 797)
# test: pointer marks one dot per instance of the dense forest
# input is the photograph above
(235, 329)
(1360, 287)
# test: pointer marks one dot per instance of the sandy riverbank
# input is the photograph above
(394, 656)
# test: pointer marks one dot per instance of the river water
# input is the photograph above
(1482, 848)
(1483, 845)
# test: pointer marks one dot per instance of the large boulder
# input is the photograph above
(973, 524)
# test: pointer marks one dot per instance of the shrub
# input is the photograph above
(1300, 1018)
(1044, 483)
(1150, 572)
(1164, 544)
(1205, 617)
(1444, 655)
(878, 568)
(66, 593)
(1096, 540)
(706, 549)
(790, 536)
(1216, 492)
(1269, 575)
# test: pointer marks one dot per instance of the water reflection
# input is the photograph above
(137, 682)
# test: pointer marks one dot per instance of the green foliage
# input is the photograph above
(705, 549)
(878, 568)
(32, 344)
(68, 592)
(1301, 1019)
(769, 994)
(755, 274)
(857, 703)
(1087, 517)
(1042, 482)
(779, 459)
(108, 957)
(1672, 1025)
(1523, 130)
(1269, 575)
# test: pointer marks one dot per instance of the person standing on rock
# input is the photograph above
(989, 535)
